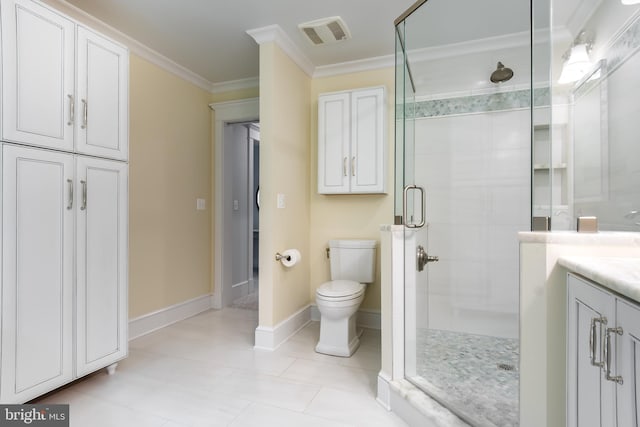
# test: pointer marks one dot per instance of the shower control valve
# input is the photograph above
(422, 258)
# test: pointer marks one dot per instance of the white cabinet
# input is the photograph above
(101, 288)
(37, 272)
(628, 364)
(603, 362)
(102, 94)
(38, 77)
(351, 142)
(50, 199)
(64, 86)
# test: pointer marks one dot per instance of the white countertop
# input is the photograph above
(619, 274)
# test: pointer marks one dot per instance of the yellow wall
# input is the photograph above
(348, 216)
(285, 103)
(170, 166)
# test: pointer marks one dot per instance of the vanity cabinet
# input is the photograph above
(351, 142)
(603, 357)
(63, 86)
(64, 216)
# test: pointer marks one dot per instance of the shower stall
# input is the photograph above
(464, 108)
(492, 138)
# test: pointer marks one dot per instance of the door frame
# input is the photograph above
(224, 112)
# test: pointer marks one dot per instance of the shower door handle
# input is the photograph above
(405, 197)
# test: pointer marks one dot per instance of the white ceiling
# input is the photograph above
(209, 37)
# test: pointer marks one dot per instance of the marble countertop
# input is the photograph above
(619, 274)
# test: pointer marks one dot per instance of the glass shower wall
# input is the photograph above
(463, 144)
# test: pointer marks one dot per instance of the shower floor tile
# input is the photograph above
(473, 375)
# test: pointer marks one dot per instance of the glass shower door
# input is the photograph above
(463, 168)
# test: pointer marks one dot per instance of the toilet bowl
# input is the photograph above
(352, 265)
(338, 303)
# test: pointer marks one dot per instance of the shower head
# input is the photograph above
(501, 74)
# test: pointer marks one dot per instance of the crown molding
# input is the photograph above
(249, 83)
(273, 33)
(360, 65)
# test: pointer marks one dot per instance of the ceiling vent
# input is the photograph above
(326, 30)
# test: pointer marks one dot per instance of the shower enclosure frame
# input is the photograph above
(408, 217)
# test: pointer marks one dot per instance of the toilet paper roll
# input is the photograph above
(290, 257)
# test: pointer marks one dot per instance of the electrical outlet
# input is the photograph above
(281, 201)
(236, 205)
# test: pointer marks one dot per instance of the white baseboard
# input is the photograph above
(270, 338)
(367, 318)
(164, 317)
(384, 391)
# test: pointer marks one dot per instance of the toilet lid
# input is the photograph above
(340, 288)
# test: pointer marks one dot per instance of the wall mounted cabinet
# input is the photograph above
(351, 142)
(63, 86)
(603, 357)
(64, 201)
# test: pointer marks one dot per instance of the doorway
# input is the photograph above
(241, 214)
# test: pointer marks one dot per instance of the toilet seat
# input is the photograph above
(340, 290)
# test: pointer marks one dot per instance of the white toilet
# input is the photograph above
(352, 266)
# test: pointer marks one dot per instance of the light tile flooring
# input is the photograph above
(204, 371)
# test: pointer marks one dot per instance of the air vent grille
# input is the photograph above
(326, 30)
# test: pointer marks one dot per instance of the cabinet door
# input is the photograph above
(37, 75)
(334, 165)
(101, 307)
(102, 127)
(590, 398)
(367, 141)
(37, 274)
(628, 363)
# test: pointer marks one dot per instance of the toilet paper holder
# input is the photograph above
(279, 256)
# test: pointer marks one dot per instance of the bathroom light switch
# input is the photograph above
(201, 204)
(281, 201)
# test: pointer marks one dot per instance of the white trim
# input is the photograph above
(166, 316)
(230, 111)
(270, 338)
(250, 83)
(367, 318)
(273, 33)
(359, 65)
(384, 391)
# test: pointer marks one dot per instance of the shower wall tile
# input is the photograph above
(475, 168)
(482, 103)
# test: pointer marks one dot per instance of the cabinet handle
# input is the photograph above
(344, 167)
(72, 110)
(353, 166)
(84, 114)
(607, 355)
(84, 195)
(70, 203)
(593, 340)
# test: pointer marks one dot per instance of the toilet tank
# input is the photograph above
(353, 260)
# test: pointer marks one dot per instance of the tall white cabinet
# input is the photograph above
(351, 142)
(64, 201)
(603, 357)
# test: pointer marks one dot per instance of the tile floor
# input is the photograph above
(204, 371)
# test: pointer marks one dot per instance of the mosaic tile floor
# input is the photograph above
(473, 375)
